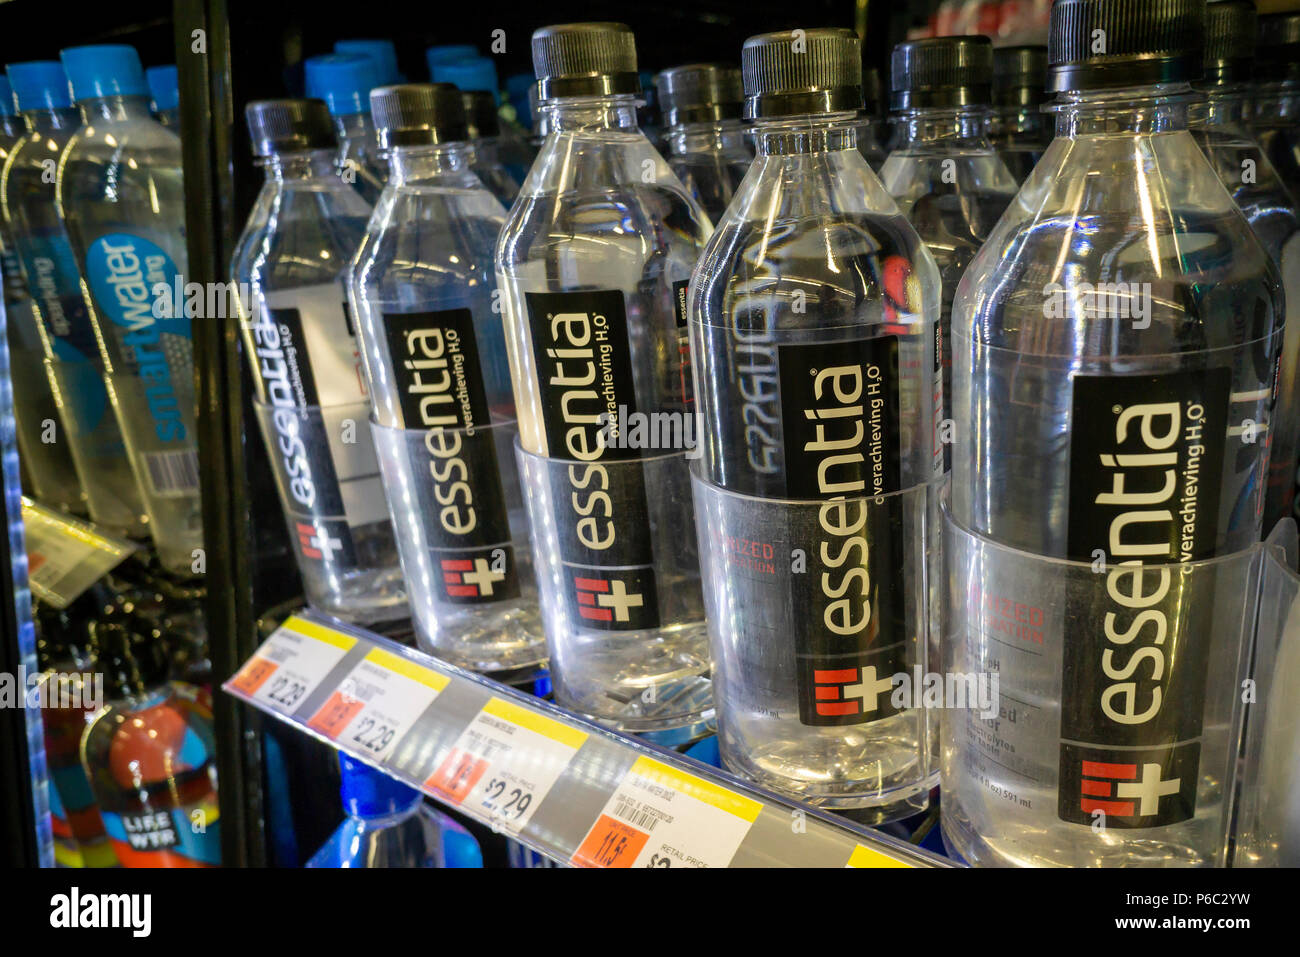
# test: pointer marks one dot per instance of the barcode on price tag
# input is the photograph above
(290, 664)
(505, 763)
(866, 857)
(377, 703)
(661, 817)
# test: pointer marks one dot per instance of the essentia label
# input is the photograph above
(124, 272)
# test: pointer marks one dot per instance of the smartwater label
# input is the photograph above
(1146, 462)
(436, 371)
(308, 371)
(55, 284)
(584, 362)
(842, 444)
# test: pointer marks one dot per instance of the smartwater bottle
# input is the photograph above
(593, 267)
(383, 52)
(424, 294)
(1115, 349)
(291, 265)
(344, 82)
(1221, 124)
(706, 138)
(813, 314)
(1020, 130)
(42, 436)
(119, 191)
(165, 95)
(484, 131)
(944, 173)
(69, 355)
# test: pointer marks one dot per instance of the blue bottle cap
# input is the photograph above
(473, 73)
(343, 81)
(164, 87)
(110, 69)
(39, 85)
(381, 51)
(6, 98)
(370, 793)
(448, 54)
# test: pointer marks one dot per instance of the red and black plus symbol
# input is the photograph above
(318, 542)
(616, 601)
(470, 577)
(849, 691)
(1132, 788)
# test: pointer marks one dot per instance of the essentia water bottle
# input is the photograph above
(120, 193)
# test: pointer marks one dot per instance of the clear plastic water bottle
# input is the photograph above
(813, 315)
(944, 173)
(707, 146)
(424, 295)
(1115, 345)
(480, 108)
(344, 82)
(508, 146)
(43, 441)
(68, 355)
(1277, 95)
(388, 824)
(1221, 124)
(291, 263)
(383, 52)
(593, 266)
(120, 194)
(1020, 130)
(870, 119)
(164, 89)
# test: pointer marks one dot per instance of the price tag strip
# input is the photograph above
(505, 763)
(290, 665)
(378, 702)
(863, 856)
(659, 816)
(66, 556)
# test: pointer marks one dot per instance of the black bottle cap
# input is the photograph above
(940, 72)
(289, 126)
(131, 664)
(418, 114)
(802, 72)
(481, 113)
(1278, 53)
(700, 93)
(585, 59)
(1020, 76)
(1108, 44)
(1231, 32)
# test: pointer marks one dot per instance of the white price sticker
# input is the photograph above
(661, 817)
(504, 764)
(291, 664)
(377, 703)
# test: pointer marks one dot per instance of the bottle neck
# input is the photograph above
(1223, 106)
(352, 125)
(819, 133)
(584, 114)
(114, 108)
(47, 120)
(315, 166)
(1142, 110)
(721, 137)
(411, 164)
(1277, 103)
(963, 127)
(1018, 119)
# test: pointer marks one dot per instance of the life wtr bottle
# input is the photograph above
(813, 314)
(1020, 130)
(120, 194)
(299, 336)
(702, 106)
(1221, 124)
(944, 173)
(593, 266)
(423, 292)
(1115, 349)
(344, 82)
(42, 437)
(69, 354)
